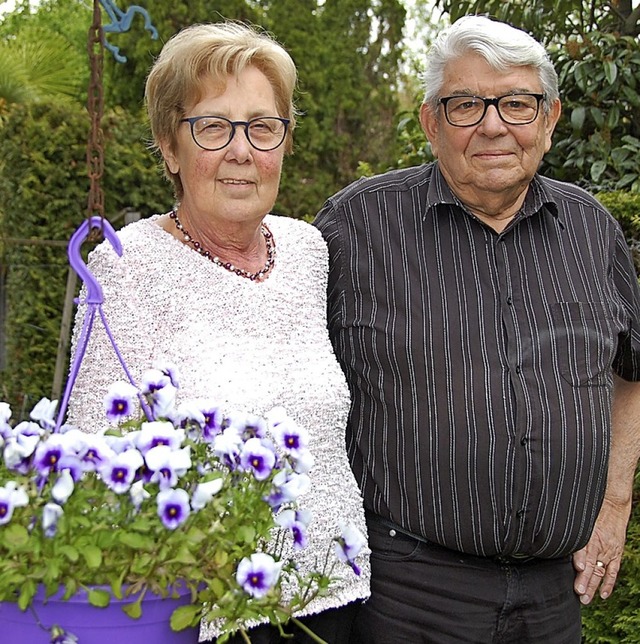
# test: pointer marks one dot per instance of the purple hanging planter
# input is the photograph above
(93, 625)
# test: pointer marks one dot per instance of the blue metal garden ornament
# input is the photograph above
(121, 22)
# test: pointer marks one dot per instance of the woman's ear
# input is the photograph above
(169, 157)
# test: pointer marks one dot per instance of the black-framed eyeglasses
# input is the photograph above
(514, 109)
(211, 133)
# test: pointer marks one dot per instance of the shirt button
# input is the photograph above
(518, 369)
(509, 300)
(520, 514)
(524, 440)
(392, 533)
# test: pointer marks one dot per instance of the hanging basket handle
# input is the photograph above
(94, 302)
(94, 290)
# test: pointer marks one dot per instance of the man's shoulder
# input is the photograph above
(568, 195)
(392, 181)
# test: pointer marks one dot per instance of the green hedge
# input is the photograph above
(43, 196)
(625, 207)
(617, 619)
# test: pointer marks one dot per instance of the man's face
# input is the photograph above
(489, 165)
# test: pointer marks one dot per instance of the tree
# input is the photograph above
(348, 55)
(595, 47)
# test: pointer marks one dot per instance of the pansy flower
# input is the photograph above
(158, 432)
(63, 487)
(173, 507)
(44, 413)
(11, 496)
(167, 465)
(258, 458)
(349, 545)
(51, 514)
(286, 487)
(204, 492)
(119, 473)
(258, 574)
(296, 521)
(138, 494)
(121, 401)
(49, 453)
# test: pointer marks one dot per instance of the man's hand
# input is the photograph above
(598, 563)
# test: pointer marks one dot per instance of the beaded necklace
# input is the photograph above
(259, 275)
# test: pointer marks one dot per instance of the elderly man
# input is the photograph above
(488, 322)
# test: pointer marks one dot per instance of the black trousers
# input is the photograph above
(424, 593)
(333, 626)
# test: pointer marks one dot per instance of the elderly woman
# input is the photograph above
(232, 296)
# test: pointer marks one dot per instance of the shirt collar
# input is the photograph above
(538, 196)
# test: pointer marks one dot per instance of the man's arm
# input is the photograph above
(598, 563)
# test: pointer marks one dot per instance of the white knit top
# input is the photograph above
(248, 345)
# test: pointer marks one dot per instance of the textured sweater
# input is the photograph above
(248, 345)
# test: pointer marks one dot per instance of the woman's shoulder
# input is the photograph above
(143, 234)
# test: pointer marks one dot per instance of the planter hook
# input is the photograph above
(93, 301)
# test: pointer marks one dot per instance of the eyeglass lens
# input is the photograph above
(469, 110)
(214, 133)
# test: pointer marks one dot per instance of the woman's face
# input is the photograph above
(237, 184)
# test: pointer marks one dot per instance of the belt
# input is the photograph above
(394, 528)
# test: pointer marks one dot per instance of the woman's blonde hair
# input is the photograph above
(213, 52)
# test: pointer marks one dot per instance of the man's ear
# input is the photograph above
(551, 120)
(429, 123)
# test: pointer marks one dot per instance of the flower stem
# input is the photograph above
(308, 631)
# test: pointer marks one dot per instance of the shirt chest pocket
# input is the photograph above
(585, 338)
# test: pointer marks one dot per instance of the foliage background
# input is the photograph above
(358, 97)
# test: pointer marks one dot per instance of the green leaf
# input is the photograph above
(98, 597)
(577, 118)
(134, 610)
(610, 71)
(597, 169)
(69, 552)
(137, 541)
(246, 534)
(16, 535)
(93, 556)
(185, 616)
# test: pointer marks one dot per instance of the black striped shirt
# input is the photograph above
(480, 363)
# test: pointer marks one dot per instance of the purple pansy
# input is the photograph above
(11, 496)
(287, 487)
(51, 514)
(349, 545)
(290, 437)
(296, 521)
(258, 458)
(226, 446)
(49, 453)
(258, 574)
(44, 413)
(159, 432)
(167, 465)
(121, 401)
(159, 392)
(204, 492)
(173, 507)
(20, 445)
(119, 473)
